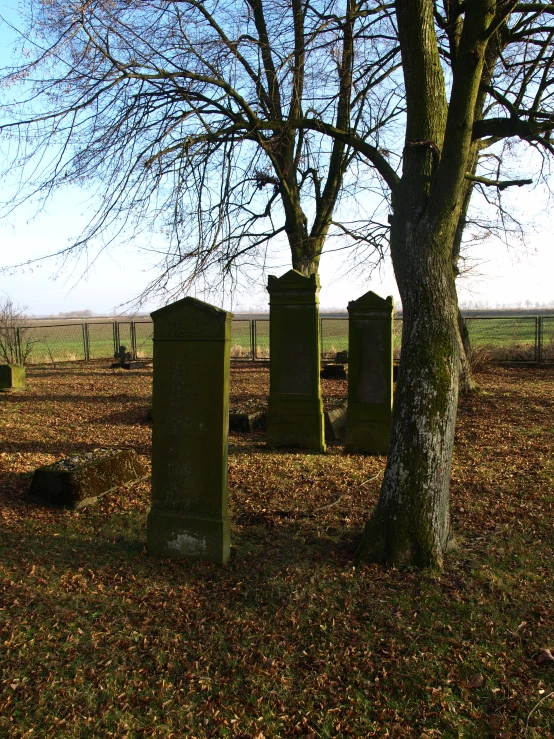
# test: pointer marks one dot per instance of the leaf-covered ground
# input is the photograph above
(293, 637)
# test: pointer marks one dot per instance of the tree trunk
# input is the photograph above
(467, 381)
(411, 523)
(306, 255)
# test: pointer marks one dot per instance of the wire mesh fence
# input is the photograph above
(241, 339)
(144, 333)
(505, 338)
(261, 338)
(54, 343)
(334, 336)
(101, 340)
(546, 343)
(497, 338)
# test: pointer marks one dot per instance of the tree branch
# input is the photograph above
(500, 184)
(506, 127)
(357, 143)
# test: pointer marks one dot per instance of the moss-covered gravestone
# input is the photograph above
(188, 517)
(12, 376)
(295, 408)
(369, 374)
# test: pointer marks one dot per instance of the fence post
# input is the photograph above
(133, 340)
(253, 338)
(538, 350)
(18, 352)
(86, 344)
(115, 337)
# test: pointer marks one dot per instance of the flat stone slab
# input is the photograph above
(335, 422)
(82, 479)
(247, 421)
(12, 377)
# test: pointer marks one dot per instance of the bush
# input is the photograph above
(15, 347)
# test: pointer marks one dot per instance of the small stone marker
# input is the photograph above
(122, 355)
(12, 377)
(295, 409)
(125, 360)
(188, 517)
(81, 479)
(370, 363)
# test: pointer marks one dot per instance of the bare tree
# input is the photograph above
(186, 115)
(15, 344)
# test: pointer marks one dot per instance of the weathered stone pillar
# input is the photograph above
(370, 362)
(188, 517)
(295, 409)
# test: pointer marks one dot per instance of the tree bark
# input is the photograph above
(411, 523)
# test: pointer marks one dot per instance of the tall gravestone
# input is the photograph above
(370, 363)
(295, 408)
(188, 517)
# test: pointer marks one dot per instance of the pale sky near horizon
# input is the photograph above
(507, 276)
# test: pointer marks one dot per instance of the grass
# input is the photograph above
(294, 637)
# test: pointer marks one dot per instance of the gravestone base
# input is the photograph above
(296, 422)
(333, 372)
(128, 365)
(367, 428)
(12, 377)
(189, 536)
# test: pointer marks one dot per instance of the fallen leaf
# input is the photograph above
(476, 681)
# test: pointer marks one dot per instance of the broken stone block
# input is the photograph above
(81, 479)
(12, 377)
(333, 372)
(247, 421)
(335, 422)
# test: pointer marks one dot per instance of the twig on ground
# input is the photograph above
(532, 711)
(328, 505)
(371, 478)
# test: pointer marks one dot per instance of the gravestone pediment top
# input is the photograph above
(293, 279)
(189, 305)
(372, 301)
(190, 318)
